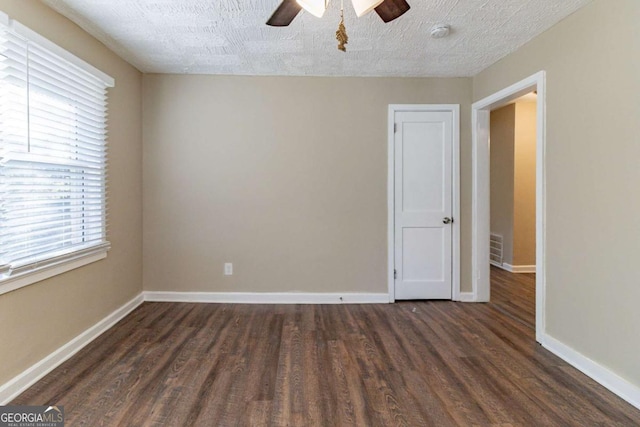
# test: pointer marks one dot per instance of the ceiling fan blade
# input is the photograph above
(284, 14)
(392, 9)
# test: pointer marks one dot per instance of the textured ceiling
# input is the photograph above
(230, 37)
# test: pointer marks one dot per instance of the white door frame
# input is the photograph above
(480, 122)
(455, 231)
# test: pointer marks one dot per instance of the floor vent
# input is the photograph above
(495, 249)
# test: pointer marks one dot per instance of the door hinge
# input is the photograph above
(395, 127)
(395, 273)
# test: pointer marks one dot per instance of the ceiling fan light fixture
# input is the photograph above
(314, 7)
(362, 7)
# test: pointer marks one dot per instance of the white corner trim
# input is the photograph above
(14, 387)
(267, 297)
(616, 384)
(518, 268)
(467, 297)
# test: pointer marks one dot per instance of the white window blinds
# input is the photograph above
(53, 113)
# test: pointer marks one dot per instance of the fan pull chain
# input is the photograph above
(341, 34)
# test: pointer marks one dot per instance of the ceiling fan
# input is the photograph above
(388, 10)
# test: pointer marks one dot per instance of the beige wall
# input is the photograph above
(502, 171)
(524, 185)
(40, 318)
(284, 177)
(592, 152)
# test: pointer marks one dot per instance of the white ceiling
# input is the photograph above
(230, 36)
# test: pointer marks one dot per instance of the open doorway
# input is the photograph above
(512, 248)
(481, 214)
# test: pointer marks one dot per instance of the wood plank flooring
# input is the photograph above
(405, 364)
(514, 295)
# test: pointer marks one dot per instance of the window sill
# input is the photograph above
(47, 271)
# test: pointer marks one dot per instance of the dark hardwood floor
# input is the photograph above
(514, 295)
(405, 364)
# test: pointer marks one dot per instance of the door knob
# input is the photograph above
(447, 220)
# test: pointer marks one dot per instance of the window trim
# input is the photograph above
(56, 265)
(50, 269)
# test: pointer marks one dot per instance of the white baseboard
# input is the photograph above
(467, 297)
(516, 268)
(267, 297)
(602, 375)
(520, 268)
(11, 389)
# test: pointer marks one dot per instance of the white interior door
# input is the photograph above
(423, 146)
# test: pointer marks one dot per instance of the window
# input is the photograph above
(53, 128)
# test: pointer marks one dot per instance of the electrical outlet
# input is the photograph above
(228, 269)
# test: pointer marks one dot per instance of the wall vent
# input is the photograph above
(495, 249)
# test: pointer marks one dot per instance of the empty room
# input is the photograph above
(319, 213)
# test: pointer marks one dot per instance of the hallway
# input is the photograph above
(514, 295)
